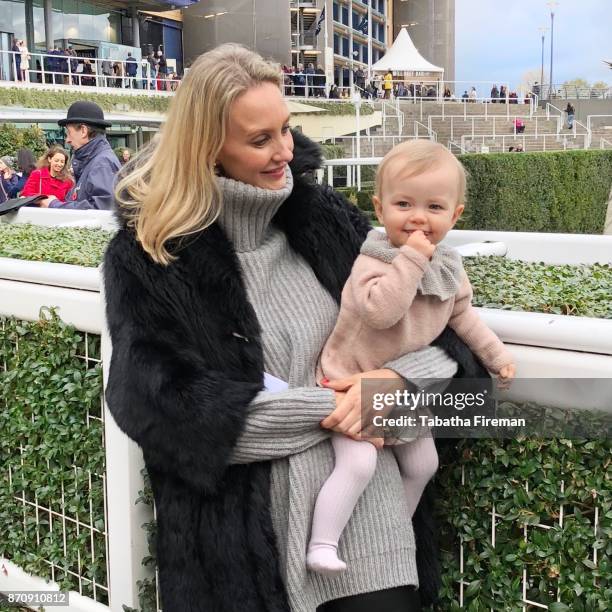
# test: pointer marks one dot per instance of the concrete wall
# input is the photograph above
(263, 25)
(434, 34)
(590, 107)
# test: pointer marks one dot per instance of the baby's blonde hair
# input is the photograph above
(419, 156)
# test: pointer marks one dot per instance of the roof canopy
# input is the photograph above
(403, 56)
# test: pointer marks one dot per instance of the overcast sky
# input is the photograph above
(499, 40)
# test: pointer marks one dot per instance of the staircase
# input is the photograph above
(473, 127)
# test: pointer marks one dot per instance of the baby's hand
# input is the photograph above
(505, 376)
(419, 243)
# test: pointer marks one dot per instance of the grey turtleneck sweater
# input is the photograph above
(297, 315)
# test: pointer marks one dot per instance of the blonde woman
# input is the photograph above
(25, 61)
(226, 274)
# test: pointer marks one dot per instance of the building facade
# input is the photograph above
(294, 32)
(89, 25)
(431, 25)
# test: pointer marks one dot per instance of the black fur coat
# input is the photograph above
(180, 382)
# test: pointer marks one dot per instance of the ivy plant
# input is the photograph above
(580, 290)
(546, 494)
(52, 452)
(70, 245)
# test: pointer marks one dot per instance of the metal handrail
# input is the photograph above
(523, 139)
(590, 117)
(561, 121)
(431, 133)
(487, 118)
(452, 143)
(602, 141)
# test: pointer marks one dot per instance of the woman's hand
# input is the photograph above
(45, 203)
(347, 417)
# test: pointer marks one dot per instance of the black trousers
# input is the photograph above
(398, 599)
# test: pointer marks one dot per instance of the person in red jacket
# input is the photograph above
(51, 178)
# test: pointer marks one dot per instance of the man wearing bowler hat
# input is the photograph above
(93, 162)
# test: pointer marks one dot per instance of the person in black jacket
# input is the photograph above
(131, 69)
(26, 162)
(16, 58)
(220, 290)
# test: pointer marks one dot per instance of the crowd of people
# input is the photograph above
(83, 182)
(62, 66)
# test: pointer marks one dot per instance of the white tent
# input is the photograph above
(403, 56)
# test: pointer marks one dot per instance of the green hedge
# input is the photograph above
(12, 96)
(12, 139)
(52, 452)
(338, 108)
(561, 191)
(29, 98)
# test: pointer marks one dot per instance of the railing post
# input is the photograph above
(127, 542)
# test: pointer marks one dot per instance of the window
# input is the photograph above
(336, 43)
(336, 12)
(345, 15)
(345, 46)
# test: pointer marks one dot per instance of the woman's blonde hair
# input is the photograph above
(417, 156)
(43, 161)
(169, 191)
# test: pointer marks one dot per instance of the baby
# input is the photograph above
(403, 290)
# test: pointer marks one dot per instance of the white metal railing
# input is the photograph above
(605, 144)
(449, 107)
(71, 70)
(431, 134)
(305, 84)
(474, 144)
(391, 110)
(551, 108)
(593, 119)
(495, 119)
(454, 145)
(121, 541)
(547, 345)
(367, 144)
(571, 92)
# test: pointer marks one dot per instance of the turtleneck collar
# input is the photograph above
(442, 276)
(246, 211)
